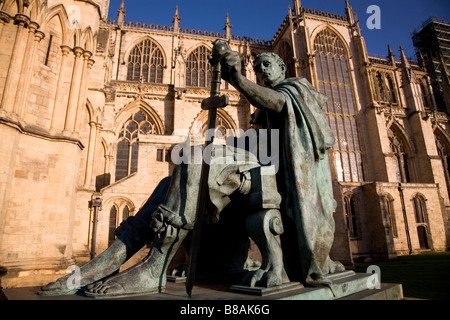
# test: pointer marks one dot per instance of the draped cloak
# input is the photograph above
(304, 179)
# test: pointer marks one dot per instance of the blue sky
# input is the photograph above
(261, 18)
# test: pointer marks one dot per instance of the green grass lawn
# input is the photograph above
(425, 276)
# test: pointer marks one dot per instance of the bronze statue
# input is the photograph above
(288, 211)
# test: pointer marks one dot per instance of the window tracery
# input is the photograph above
(115, 218)
(387, 202)
(385, 91)
(421, 216)
(198, 68)
(350, 207)
(332, 66)
(445, 159)
(145, 63)
(400, 157)
(127, 146)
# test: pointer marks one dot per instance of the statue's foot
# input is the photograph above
(57, 288)
(98, 268)
(143, 278)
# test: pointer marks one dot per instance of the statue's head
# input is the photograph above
(269, 68)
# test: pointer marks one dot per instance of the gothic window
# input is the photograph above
(424, 96)
(112, 225)
(220, 127)
(423, 238)
(163, 155)
(198, 68)
(224, 127)
(381, 88)
(400, 157)
(443, 154)
(115, 218)
(392, 95)
(47, 55)
(351, 215)
(127, 145)
(387, 203)
(125, 213)
(420, 212)
(334, 81)
(384, 88)
(287, 55)
(145, 63)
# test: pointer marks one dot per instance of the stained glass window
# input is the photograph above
(381, 88)
(420, 212)
(443, 154)
(423, 238)
(420, 209)
(112, 225)
(145, 63)
(125, 213)
(127, 145)
(163, 155)
(392, 95)
(198, 68)
(351, 215)
(387, 203)
(400, 157)
(334, 81)
(425, 96)
(385, 91)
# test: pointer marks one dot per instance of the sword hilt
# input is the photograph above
(220, 47)
(215, 102)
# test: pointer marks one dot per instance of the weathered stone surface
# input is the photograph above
(353, 287)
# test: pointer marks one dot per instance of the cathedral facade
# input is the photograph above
(91, 108)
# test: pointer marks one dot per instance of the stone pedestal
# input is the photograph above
(350, 286)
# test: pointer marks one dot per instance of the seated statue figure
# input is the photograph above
(287, 212)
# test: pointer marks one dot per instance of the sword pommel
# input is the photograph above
(220, 47)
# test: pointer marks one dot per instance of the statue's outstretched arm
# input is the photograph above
(259, 96)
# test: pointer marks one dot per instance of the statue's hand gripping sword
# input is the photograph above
(211, 104)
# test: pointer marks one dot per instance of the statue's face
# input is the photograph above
(268, 71)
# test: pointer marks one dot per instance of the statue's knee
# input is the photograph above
(263, 194)
(135, 233)
(165, 217)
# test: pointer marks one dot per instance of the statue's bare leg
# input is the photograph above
(264, 229)
(132, 235)
(149, 275)
(171, 223)
(101, 266)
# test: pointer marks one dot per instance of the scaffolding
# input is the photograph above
(432, 43)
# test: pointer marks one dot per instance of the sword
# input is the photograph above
(211, 104)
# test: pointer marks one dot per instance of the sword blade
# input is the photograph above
(203, 190)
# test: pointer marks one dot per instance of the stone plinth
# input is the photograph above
(352, 286)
